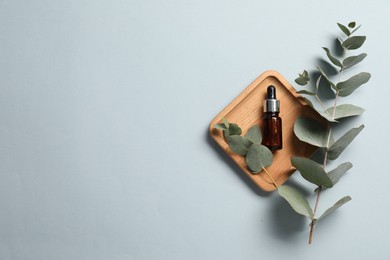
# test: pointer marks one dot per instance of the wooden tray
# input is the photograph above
(247, 110)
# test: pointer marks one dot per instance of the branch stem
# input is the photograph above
(322, 105)
(314, 211)
(272, 179)
(324, 163)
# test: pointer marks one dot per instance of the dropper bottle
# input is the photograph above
(272, 123)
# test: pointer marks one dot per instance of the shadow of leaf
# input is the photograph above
(336, 48)
(286, 223)
(325, 92)
(328, 68)
(318, 156)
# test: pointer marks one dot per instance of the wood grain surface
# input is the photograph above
(247, 110)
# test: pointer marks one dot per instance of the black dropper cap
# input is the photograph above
(271, 92)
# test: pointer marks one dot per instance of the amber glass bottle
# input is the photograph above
(272, 123)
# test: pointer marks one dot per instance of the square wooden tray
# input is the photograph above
(247, 110)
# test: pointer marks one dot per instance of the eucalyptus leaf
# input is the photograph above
(354, 42)
(345, 110)
(337, 205)
(347, 87)
(238, 144)
(344, 29)
(306, 92)
(339, 171)
(312, 132)
(296, 200)
(352, 25)
(353, 60)
(334, 60)
(312, 171)
(254, 134)
(220, 126)
(225, 122)
(234, 129)
(331, 84)
(258, 157)
(304, 75)
(339, 146)
(301, 81)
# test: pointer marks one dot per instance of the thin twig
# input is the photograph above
(322, 105)
(315, 210)
(272, 179)
(335, 103)
(320, 188)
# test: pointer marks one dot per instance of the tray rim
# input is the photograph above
(237, 100)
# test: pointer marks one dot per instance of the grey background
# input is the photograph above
(104, 110)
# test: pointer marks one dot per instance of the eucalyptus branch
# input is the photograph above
(316, 134)
(327, 147)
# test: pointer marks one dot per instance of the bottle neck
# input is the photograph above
(271, 114)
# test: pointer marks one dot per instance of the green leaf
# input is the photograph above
(337, 173)
(312, 132)
(337, 205)
(339, 146)
(220, 126)
(352, 25)
(303, 78)
(345, 110)
(225, 122)
(306, 92)
(331, 84)
(347, 87)
(239, 144)
(353, 60)
(301, 81)
(332, 58)
(354, 42)
(344, 29)
(304, 75)
(258, 157)
(254, 134)
(296, 200)
(234, 129)
(312, 171)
